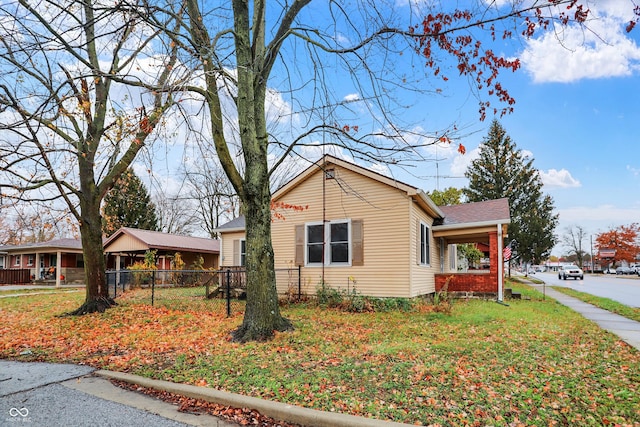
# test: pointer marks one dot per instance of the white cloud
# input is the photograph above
(381, 168)
(562, 178)
(352, 97)
(596, 219)
(461, 163)
(604, 214)
(567, 54)
(552, 178)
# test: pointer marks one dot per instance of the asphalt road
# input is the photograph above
(57, 395)
(624, 289)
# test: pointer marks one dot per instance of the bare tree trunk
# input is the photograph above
(97, 294)
(262, 314)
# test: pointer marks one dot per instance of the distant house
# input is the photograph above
(365, 230)
(128, 246)
(57, 260)
(61, 260)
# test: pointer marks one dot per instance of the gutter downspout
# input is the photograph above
(500, 264)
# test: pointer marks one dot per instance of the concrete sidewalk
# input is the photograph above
(628, 330)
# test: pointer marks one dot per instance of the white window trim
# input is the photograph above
(18, 259)
(428, 246)
(30, 260)
(242, 242)
(327, 244)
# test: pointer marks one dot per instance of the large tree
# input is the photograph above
(624, 240)
(502, 170)
(73, 118)
(251, 54)
(128, 204)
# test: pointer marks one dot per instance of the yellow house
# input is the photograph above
(350, 227)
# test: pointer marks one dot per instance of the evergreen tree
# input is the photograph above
(504, 171)
(128, 204)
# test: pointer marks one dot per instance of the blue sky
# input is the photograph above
(577, 114)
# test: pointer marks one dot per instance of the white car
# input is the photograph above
(566, 271)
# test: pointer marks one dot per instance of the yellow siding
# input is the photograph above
(422, 276)
(385, 213)
(126, 243)
(226, 247)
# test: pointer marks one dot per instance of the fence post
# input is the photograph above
(299, 282)
(206, 287)
(153, 286)
(228, 292)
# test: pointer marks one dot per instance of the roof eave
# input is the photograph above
(464, 225)
(229, 230)
(430, 207)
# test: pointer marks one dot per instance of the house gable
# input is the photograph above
(124, 242)
(377, 213)
(327, 166)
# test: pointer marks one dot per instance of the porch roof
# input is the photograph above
(470, 222)
(63, 245)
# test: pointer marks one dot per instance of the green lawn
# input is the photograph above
(534, 362)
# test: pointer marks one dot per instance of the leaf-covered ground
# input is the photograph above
(532, 363)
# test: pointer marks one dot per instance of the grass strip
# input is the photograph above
(632, 313)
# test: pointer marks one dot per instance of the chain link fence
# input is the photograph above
(221, 291)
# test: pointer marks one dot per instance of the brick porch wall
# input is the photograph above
(486, 282)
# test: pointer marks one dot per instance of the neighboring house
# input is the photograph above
(60, 260)
(356, 228)
(128, 245)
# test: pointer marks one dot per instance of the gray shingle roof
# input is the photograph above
(496, 211)
(235, 224)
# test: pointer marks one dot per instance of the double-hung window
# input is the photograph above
(328, 243)
(424, 251)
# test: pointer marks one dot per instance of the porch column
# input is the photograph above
(58, 268)
(38, 266)
(117, 269)
(500, 264)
